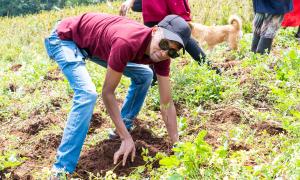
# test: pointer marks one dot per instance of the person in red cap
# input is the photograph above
(123, 46)
(292, 19)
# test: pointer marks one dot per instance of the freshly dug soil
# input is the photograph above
(96, 122)
(272, 127)
(229, 114)
(99, 159)
(47, 146)
(38, 124)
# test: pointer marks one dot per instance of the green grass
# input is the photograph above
(270, 93)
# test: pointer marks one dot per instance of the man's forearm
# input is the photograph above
(168, 112)
(111, 105)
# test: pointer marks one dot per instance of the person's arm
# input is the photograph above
(125, 7)
(112, 80)
(167, 107)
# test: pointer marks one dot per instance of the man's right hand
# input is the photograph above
(127, 147)
(125, 7)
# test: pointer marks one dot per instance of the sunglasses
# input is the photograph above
(164, 45)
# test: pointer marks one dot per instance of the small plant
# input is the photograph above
(194, 159)
(9, 160)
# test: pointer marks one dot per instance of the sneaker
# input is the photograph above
(112, 134)
(59, 175)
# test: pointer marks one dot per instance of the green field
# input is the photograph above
(244, 124)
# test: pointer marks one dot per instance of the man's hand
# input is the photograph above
(127, 147)
(167, 107)
(112, 80)
(125, 7)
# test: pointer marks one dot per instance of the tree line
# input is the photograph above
(23, 7)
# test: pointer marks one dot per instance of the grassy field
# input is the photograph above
(244, 124)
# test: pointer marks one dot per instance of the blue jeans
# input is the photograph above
(71, 61)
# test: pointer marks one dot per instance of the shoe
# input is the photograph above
(59, 175)
(264, 45)
(255, 41)
(113, 135)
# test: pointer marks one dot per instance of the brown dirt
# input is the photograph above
(56, 103)
(96, 122)
(227, 65)
(38, 124)
(271, 127)
(12, 87)
(23, 171)
(238, 147)
(53, 75)
(46, 146)
(242, 71)
(16, 176)
(99, 159)
(15, 67)
(250, 163)
(230, 114)
(180, 109)
(212, 138)
(221, 121)
(257, 95)
(245, 79)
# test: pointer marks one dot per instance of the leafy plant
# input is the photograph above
(10, 159)
(196, 159)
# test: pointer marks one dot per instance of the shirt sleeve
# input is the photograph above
(121, 52)
(162, 68)
(181, 8)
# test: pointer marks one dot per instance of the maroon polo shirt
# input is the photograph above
(114, 39)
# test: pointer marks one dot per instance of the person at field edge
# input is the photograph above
(123, 46)
(155, 10)
(292, 19)
(267, 20)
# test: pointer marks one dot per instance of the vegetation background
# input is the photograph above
(244, 124)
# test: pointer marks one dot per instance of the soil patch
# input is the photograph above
(238, 147)
(46, 146)
(227, 65)
(250, 163)
(242, 71)
(14, 176)
(23, 171)
(12, 87)
(257, 95)
(56, 103)
(99, 159)
(230, 114)
(180, 109)
(271, 127)
(15, 67)
(38, 124)
(53, 75)
(96, 122)
(212, 138)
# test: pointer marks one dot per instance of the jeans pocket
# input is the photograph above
(71, 51)
(52, 45)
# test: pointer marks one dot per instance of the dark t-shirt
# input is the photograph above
(114, 39)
